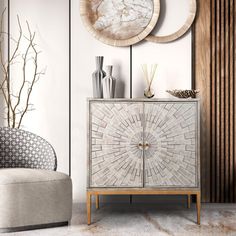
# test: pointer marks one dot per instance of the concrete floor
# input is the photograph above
(159, 219)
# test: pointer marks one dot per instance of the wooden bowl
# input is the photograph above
(183, 93)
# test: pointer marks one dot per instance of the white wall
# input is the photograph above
(173, 59)
(174, 66)
(174, 71)
(50, 18)
(84, 50)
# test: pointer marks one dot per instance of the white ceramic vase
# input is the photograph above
(108, 84)
(97, 77)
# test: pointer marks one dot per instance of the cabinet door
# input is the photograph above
(170, 134)
(116, 129)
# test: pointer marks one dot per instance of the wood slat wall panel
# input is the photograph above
(218, 70)
(213, 94)
(203, 72)
(227, 111)
(222, 103)
(231, 79)
(215, 78)
(233, 98)
(231, 102)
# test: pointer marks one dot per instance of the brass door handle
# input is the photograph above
(146, 146)
(143, 146)
(140, 146)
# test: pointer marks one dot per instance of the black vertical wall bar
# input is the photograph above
(8, 46)
(8, 29)
(131, 89)
(193, 82)
(131, 72)
(69, 87)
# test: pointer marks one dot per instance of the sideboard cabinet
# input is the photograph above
(139, 146)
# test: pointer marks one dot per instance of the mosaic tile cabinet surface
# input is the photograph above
(138, 143)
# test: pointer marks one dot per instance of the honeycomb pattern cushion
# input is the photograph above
(22, 149)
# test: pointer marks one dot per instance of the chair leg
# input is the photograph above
(88, 208)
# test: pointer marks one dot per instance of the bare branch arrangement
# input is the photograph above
(17, 100)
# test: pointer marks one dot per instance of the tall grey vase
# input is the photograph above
(97, 77)
(108, 84)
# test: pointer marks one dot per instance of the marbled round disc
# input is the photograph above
(120, 22)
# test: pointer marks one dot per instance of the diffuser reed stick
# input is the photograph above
(149, 76)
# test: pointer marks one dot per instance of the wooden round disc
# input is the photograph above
(120, 22)
(178, 33)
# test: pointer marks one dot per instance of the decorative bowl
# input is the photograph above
(183, 93)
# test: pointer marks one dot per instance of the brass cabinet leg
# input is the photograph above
(189, 201)
(97, 201)
(198, 207)
(88, 208)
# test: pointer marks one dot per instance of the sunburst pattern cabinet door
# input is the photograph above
(170, 135)
(116, 129)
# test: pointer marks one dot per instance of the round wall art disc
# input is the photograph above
(120, 22)
(180, 32)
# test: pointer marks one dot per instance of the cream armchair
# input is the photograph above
(32, 194)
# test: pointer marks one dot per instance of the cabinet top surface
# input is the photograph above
(144, 100)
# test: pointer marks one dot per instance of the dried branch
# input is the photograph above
(32, 36)
(8, 67)
(18, 41)
(18, 103)
(24, 78)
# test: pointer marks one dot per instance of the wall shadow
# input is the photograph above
(120, 84)
(161, 17)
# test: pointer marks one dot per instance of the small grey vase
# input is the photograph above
(108, 84)
(97, 77)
